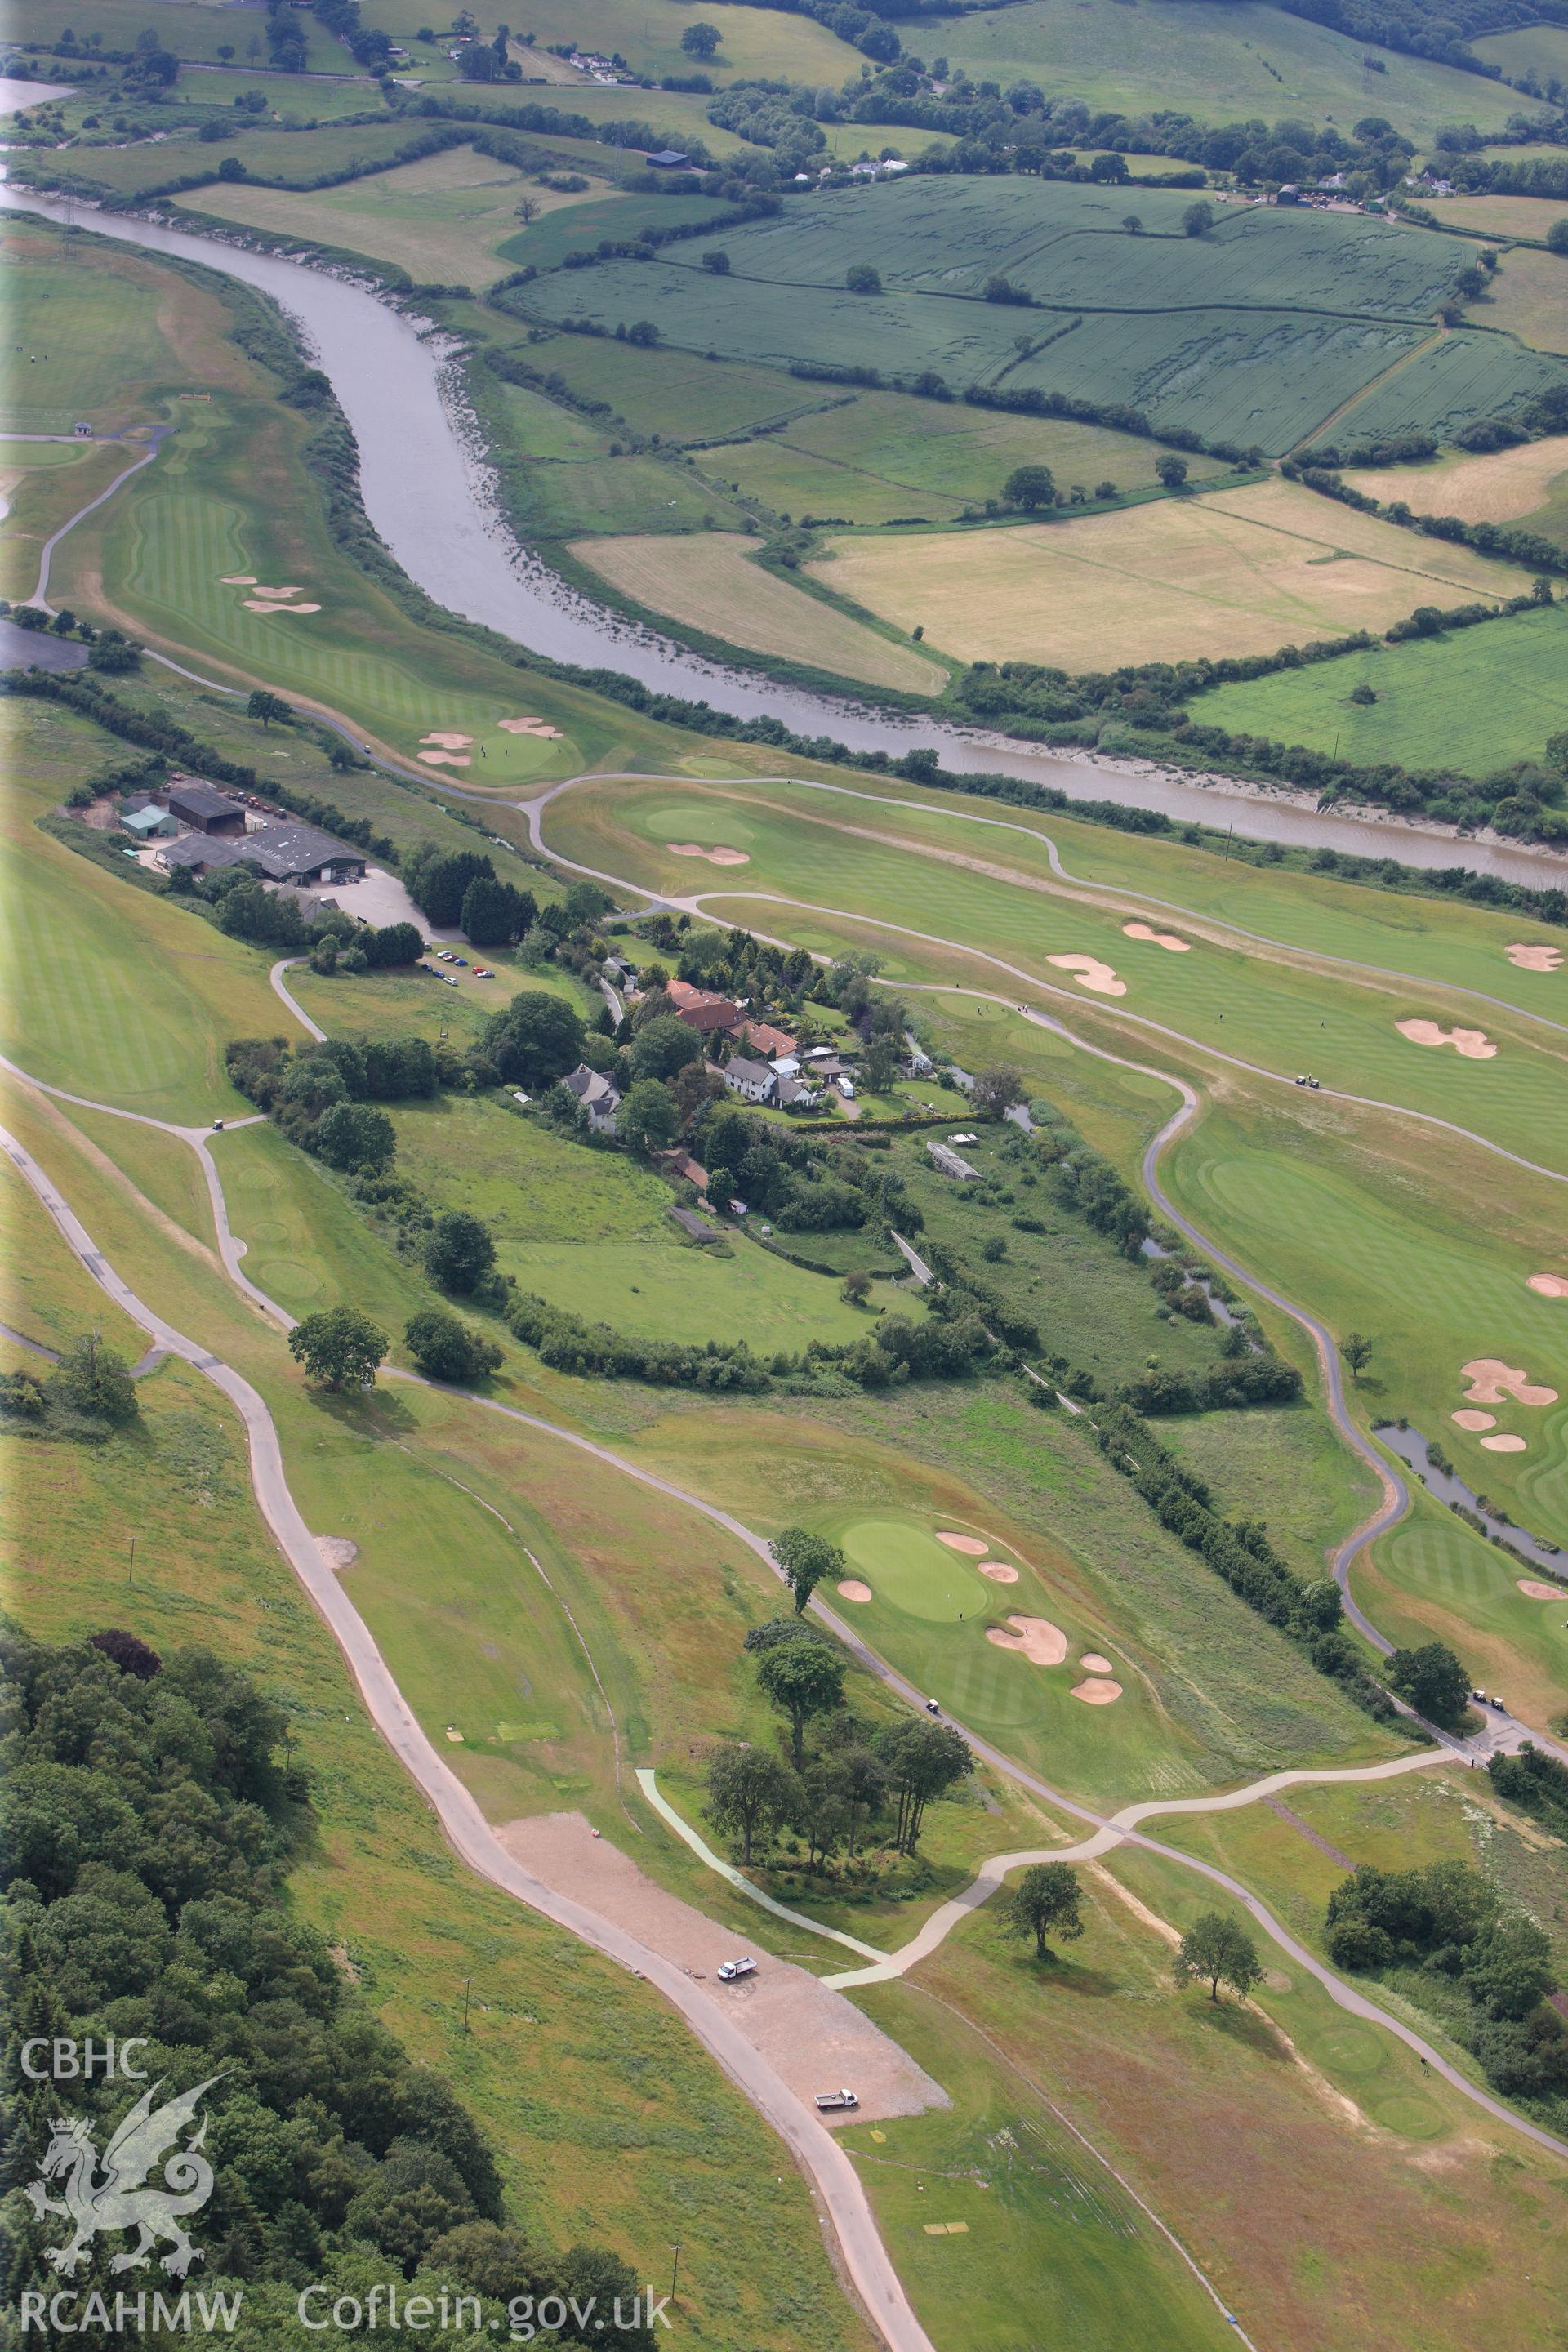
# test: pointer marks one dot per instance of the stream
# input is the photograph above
(429, 497)
(1411, 1447)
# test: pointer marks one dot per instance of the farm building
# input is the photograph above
(701, 1010)
(598, 1095)
(202, 806)
(149, 823)
(667, 159)
(948, 1163)
(293, 853)
(762, 1037)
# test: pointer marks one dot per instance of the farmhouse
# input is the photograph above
(948, 1163)
(752, 1081)
(294, 853)
(599, 1096)
(701, 1010)
(202, 806)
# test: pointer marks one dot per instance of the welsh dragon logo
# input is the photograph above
(116, 2198)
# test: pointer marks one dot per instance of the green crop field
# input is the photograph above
(1465, 703)
(292, 100)
(191, 28)
(1252, 60)
(574, 227)
(673, 393)
(755, 42)
(1257, 333)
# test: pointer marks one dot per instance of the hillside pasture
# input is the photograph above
(445, 219)
(1465, 703)
(708, 583)
(1218, 64)
(1238, 571)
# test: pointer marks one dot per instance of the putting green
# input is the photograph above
(906, 1566)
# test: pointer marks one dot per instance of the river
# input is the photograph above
(429, 496)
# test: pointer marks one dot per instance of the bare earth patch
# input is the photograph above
(1467, 1420)
(1534, 959)
(1096, 1693)
(814, 2037)
(708, 580)
(1043, 1643)
(998, 1571)
(972, 1546)
(853, 1589)
(1472, 1045)
(1090, 974)
(714, 857)
(1493, 1382)
(1547, 1285)
(1535, 1590)
(1159, 939)
(338, 1551)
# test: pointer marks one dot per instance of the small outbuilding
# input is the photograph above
(949, 1164)
(149, 823)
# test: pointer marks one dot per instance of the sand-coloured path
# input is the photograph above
(1534, 959)
(1090, 974)
(1473, 1044)
(1535, 1590)
(1548, 1285)
(813, 2038)
(998, 1571)
(1467, 1419)
(853, 1589)
(1096, 1693)
(1043, 1643)
(1493, 1382)
(971, 1545)
(715, 857)
(1159, 939)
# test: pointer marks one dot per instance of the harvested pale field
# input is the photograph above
(1529, 298)
(1500, 216)
(711, 583)
(441, 218)
(1241, 572)
(1499, 487)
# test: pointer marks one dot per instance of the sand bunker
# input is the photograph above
(1095, 1692)
(1547, 1285)
(1540, 959)
(1093, 1663)
(853, 1589)
(1043, 1643)
(1493, 1382)
(529, 727)
(252, 605)
(1503, 1444)
(446, 759)
(971, 1544)
(1533, 1590)
(272, 591)
(998, 1571)
(448, 743)
(1468, 1420)
(1089, 972)
(1159, 939)
(237, 580)
(714, 857)
(1474, 1044)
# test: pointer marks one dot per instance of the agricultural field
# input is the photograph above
(708, 584)
(678, 396)
(1530, 217)
(1529, 298)
(1527, 483)
(290, 98)
(449, 219)
(1465, 702)
(1253, 60)
(1541, 49)
(191, 28)
(1239, 570)
(1257, 333)
(757, 44)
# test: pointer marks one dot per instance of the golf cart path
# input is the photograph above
(826, 2164)
(474, 1839)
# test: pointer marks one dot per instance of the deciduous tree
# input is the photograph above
(1217, 1950)
(1044, 1903)
(339, 1347)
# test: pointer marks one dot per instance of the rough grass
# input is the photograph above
(1500, 216)
(1237, 571)
(710, 583)
(1469, 702)
(444, 219)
